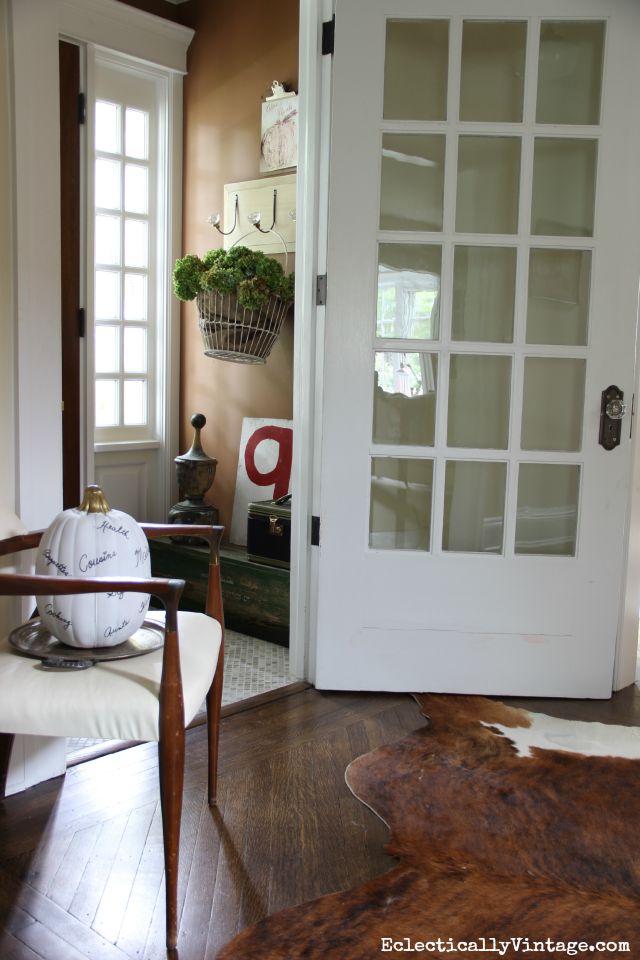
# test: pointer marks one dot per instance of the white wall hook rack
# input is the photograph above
(269, 200)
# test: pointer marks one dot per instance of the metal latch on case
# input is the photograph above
(275, 527)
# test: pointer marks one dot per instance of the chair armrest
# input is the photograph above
(213, 535)
(24, 585)
(168, 591)
(22, 541)
(57, 586)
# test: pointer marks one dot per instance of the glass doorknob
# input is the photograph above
(616, 409)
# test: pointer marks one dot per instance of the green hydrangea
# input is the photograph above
(187, 275)
(251, 275)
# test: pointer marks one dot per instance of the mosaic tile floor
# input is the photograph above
(251, 666)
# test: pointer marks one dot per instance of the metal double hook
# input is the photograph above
(255, 218)
(214, 220)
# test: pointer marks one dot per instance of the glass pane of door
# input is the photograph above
(400, 511)
(492, 76)
(553, 403)
(415, 70)
(488, 184)
(564, 187)
(409, 291)
(570, 72)
(559, 290)
(412, 182)
(474, 505)
(484, 289)
(479, 395)
(547, 517)
(404, 403)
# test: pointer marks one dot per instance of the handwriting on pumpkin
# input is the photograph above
(141, 555)
(85, 563)
(108, 527)
(111, 631)
(58, 564)
(57, 615)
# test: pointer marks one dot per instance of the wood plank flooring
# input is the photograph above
(81, 872)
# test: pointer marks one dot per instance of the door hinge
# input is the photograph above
(321, 290)
(328, 36)
(82, 108)
(82, 322)
(315, 531)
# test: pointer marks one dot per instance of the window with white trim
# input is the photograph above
(129, 199)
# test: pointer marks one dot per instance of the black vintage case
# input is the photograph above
(269, 531)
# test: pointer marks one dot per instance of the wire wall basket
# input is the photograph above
(233, 332)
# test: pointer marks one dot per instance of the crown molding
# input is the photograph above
(111, 24)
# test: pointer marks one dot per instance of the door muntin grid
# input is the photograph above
(518, 191)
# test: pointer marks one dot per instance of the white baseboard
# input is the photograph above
(34, 759)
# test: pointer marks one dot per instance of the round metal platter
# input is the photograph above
(32, 639)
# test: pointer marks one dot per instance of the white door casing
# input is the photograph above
(35, 28)
(454, 619)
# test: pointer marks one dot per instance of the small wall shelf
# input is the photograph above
(257, 196)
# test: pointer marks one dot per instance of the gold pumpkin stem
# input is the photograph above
(94, 500)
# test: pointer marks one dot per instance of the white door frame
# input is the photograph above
(36, 26)
(311, 258)
(311, 246)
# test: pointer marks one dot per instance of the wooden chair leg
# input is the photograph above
(6, 746)
(171, 767)
(214, 704)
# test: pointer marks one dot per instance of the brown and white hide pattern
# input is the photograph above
(491, 844)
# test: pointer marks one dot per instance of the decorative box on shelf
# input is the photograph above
(255, 596)
(269, 531)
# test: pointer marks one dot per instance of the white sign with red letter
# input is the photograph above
(264, 468)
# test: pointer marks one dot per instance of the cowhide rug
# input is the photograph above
(504, 850)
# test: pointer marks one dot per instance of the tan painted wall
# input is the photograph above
(7, 382)
(238, 50)
(159, 8)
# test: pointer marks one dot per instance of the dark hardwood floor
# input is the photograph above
(81, 856)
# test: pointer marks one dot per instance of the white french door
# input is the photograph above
(483, 270)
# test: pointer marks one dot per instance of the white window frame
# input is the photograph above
(151, 448)
(117, 78)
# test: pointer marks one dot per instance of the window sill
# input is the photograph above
(120, 446)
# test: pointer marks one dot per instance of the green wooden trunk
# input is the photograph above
(255, 595)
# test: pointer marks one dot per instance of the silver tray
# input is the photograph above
(33, 639)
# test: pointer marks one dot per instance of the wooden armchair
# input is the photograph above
(150, 697)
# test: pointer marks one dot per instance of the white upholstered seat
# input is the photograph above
(109, 701)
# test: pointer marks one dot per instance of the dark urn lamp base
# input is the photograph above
(192, 512)
(195, 472)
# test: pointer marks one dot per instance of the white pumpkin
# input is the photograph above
(93, 541)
